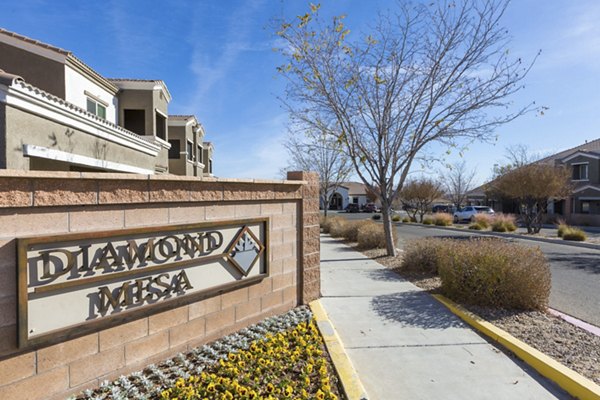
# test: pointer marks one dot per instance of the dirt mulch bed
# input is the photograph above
(570, 345)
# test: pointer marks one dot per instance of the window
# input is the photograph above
(190, 151)
(585, 207)
(175, 150)
(580, 172)
(161, 126)
(210, 166)
(135, 121)
(199, 154)
(96, 108)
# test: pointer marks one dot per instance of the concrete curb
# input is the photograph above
(575, 384)
(512, 235)
(351, 384)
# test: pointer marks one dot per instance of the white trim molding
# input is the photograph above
(582, 154)
(31, 150)
(588, 198)
(586, 187)
(33, 100)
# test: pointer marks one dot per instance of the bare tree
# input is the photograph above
(320, 152)
(531, 186)
(516, 155)
(458, 181)
(417, 196)
(426, 73)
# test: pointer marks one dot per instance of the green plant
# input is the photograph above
(496, 273)
(504, 223)
(442, 219)
(427, 220)
(574, 234)
(371, 236)
(406, 220)
(396, 218)
(376, 216)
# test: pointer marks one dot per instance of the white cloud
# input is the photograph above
(209, 70)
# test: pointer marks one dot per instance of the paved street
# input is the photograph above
(575, 270)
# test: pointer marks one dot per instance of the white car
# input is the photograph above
(468, 213)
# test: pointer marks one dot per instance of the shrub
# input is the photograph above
(484, 220)
(504, 223)
(427, 220)
(495, 273)
(574, 234)
(376, 216)
(349, 230)
(396, 218)
(476, 226)
(406, 220)
(326, 222)
(337, 227)
(371, 236)
(561, 226)
(442, 219)
(423, 255)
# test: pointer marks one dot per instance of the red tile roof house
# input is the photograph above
(583, 206)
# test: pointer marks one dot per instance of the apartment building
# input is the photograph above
(583, 205)
(57, 113)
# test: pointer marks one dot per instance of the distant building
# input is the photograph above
(57, 113)
(583, 206)
(347, 193)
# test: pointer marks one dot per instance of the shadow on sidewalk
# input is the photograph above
(385, 275)
(416, 309)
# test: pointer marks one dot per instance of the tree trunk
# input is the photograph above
(390, 246)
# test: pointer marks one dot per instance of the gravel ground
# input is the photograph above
(572, 346)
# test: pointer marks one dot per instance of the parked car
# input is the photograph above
(468, 213)
(443, 208)
(352, 208)
(370, 208)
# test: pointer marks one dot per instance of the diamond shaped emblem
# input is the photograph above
(245, 251)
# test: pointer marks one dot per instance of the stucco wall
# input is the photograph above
(54, 203)
(138, 100)
(180, 166)
(25, 128)
(44, 73)
(77, 84)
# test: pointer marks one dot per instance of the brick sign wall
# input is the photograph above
(65, 205)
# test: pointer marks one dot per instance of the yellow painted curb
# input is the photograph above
(572, 382)
(351, 384)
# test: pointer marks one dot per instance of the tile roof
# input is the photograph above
(591, 146)
(355, 188)
(35, 42)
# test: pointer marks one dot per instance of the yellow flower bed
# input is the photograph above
(286, 365)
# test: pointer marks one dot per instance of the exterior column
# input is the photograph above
(309, 242)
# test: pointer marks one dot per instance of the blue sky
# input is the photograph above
(217, 60)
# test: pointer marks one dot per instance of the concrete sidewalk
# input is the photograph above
(406, 345)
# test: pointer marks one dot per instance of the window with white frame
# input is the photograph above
(580, 172)
(190, 151)
(96, 108)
